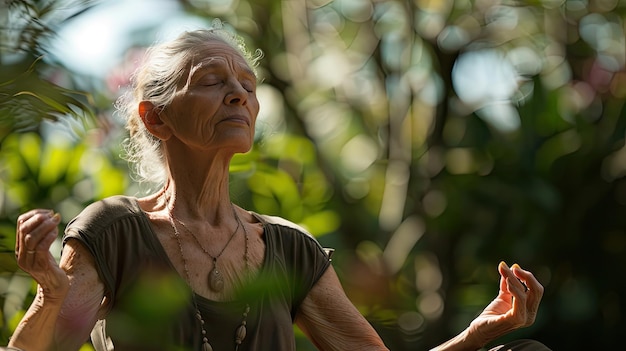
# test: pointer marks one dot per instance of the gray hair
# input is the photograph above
(157, 80)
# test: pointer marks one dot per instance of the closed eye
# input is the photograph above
(248, 86)
(209, 79)
(211, 83)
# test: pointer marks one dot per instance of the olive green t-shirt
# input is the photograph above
(151, 306)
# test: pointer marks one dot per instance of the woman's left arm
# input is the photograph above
(331, 321)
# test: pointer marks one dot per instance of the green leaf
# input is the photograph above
(322, 222)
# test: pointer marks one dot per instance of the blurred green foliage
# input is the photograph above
(28, 91)
(425, 140)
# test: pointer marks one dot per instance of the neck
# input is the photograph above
(200, 192)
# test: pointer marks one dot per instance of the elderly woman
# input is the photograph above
(185, 268)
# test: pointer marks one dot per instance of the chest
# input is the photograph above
(215, 268)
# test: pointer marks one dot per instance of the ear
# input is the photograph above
(151, 117)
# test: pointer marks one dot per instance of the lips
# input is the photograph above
(237, 119)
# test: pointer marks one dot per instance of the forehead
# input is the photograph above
(219, 52)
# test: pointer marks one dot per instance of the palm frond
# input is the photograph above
(27, 95)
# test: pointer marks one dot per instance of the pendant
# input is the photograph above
(206, 347)
(216, 281)
(240, 334)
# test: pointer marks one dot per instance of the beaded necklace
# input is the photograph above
(240, 333)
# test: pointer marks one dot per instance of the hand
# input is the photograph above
(515, 306)
(36, 231)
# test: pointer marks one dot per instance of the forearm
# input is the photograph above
(332, 322)
(462, 342)
(37, 328)
(354, 334)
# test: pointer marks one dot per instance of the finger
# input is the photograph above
(39, 262)
(26, 259)
(36, 232)
(502, 268)
(20, 231)
(46, 242)
(528, 278)
(535, 290)
(516, 288)
(36, 228)
(514, 284)
(27, 215)
(519, 312)
(37, 219)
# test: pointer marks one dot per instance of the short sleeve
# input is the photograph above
(116, 233)
(298, 255)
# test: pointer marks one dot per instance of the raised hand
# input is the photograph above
(515, 306)
(36, 231)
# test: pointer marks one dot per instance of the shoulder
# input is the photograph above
(103, 212)
(110, 214)
(281, 222)
(285, 229)
(114, 204)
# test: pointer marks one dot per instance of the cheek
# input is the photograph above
(181, 120)
(254, 109)
(194, 110)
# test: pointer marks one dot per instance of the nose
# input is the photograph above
(237, 95)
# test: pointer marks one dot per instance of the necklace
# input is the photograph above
(240, 333)
(216, 280)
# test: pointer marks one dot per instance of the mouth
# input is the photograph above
(237, 119)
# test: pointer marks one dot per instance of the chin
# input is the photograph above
(242, 148)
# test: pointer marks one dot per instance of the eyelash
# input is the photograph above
(244, 85)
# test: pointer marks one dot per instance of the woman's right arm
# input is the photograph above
(69, 298)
